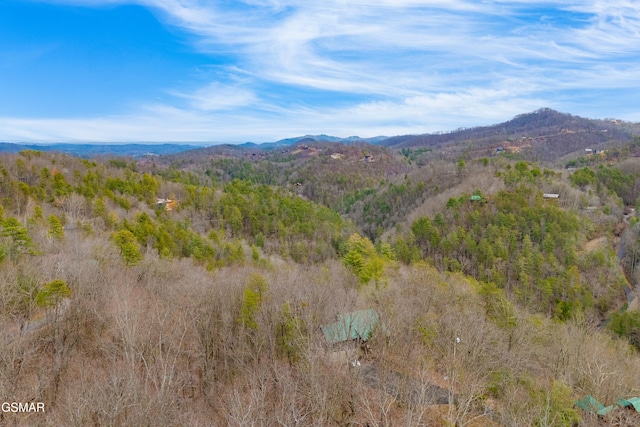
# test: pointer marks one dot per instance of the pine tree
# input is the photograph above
(56, 231)
(128, 245)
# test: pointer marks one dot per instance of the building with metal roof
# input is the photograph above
(589, 404)
(358, 325)
(632, 402)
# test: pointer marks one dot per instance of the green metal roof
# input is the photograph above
(351, 326)
(475, 198)
(632, 401)
(605, 411)
(590, 404)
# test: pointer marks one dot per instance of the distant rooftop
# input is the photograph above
(589, 404)
(633, 402)
(351, 326)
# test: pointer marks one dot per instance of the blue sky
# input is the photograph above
(261, 70)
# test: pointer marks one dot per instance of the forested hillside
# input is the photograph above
(197, 291)
(542, 135)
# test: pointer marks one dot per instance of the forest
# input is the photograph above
(495, 304)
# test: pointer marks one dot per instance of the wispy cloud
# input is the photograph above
(216, 96)
(390, 66)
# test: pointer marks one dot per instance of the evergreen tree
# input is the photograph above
(56, 231)
(128, 244)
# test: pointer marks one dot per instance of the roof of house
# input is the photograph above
(351, 326)
(605, 411)
(589, 404)
(631, 402)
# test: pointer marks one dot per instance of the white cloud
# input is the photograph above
(442, 111)
(216, 96)
(394, 66)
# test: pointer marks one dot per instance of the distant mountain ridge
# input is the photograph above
(138, 150)
(315, 138)
(89, 150)
(543, 134)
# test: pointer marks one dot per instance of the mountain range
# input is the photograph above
(543, 134)
(90, 150)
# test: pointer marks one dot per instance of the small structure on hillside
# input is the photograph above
(347, 336)
(551, 196)
(591, 405)
(358, 326)
(166, 204)
(631, 403)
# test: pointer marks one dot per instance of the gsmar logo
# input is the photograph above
(22, 407)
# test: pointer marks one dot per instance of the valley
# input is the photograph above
(195, 287)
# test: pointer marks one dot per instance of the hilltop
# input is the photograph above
(543, 135)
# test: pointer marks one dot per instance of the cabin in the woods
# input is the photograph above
(347, 337)
(166, 204)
